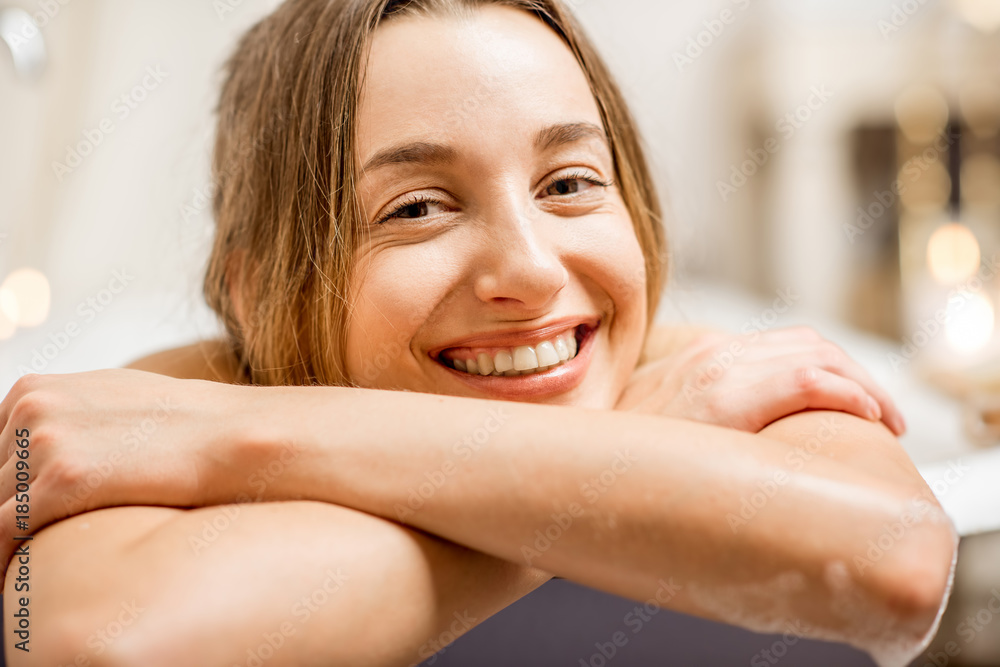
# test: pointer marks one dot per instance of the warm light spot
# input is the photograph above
(970, 321)
(25, 297)
(922, 113)
(953, 254)
(982, 15)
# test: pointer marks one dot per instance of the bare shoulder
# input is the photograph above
(204, 360)
(665, 340)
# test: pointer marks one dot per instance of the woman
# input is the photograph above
(448, 199)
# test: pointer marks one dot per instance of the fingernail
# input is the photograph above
(874, 411)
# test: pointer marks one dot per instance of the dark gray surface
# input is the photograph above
(559, 624)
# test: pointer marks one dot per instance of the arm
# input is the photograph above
(204, 360)
(637, 500)
(663, 528)
(318, 584)
(170, 574)
(572, 431)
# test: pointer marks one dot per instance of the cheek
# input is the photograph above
(611, 256)
(394, 291)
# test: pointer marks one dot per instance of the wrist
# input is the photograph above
(248, 454)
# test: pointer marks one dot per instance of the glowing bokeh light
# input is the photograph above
(953, 254)
(970, 322)
(983, 15)
(25, 297)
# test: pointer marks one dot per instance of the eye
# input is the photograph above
(412, 208)
(572, 184)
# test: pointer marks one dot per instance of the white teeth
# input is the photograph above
(547, 356)
(503, 362)
(525, 358)
(561, 348)
(485, 364)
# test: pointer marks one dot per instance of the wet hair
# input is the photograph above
(288, 220)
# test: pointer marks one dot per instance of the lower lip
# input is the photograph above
(558, 380)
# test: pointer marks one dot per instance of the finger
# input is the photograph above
(790, 349)
(812, 388)
(830, 357)
(19, 389)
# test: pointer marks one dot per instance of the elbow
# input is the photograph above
(915, 582)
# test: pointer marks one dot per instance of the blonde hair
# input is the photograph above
(286, 211)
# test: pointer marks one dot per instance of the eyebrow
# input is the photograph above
(568, 133)
(422, 152)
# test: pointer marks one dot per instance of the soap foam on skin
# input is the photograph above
(901, 654)
(766, 607)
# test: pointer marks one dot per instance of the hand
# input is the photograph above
(84, 441)
(746, 382)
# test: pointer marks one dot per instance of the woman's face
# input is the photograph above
(500, 261)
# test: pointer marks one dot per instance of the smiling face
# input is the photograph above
(500, 259)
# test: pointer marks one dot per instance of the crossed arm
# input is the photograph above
(370, 566)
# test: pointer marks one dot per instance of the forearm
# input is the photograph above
(618, 501)
(312, 583)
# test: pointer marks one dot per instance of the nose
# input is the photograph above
(520, 267)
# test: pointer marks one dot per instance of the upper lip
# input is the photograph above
(514, 337)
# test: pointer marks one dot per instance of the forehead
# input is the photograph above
(499, 71)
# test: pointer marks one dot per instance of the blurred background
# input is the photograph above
(830, 162)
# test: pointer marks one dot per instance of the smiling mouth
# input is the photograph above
(518, 360)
